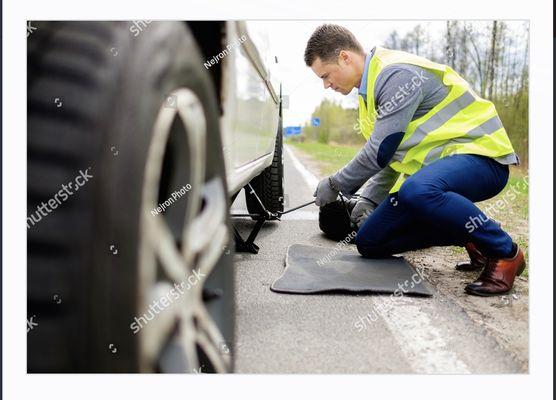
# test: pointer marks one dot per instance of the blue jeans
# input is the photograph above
(434, 207)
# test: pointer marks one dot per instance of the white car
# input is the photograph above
(140, 134)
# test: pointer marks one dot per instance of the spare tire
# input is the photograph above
(334, 219)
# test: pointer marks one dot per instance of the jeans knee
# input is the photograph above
(366, 251)
(368, 247)
(372, 251)
(415, 194)
(364, 240)
(358, 240)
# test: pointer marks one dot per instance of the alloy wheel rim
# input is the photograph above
(173, 339)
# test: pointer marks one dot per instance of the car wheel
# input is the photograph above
(269, 185)
(133, 272)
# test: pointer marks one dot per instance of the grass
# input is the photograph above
(329, 157)
(512, 209)
(514, 214)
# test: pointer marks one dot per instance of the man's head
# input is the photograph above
(335, 56)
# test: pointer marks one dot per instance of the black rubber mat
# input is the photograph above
(312, 269)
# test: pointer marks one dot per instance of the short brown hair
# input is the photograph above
(327, 41)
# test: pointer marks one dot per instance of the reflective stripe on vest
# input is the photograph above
(462, 123)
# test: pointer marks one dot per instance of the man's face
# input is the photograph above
(341, 76)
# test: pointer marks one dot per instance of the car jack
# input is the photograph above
(263, 215)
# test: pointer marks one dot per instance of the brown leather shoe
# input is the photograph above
(498, 276)
(477, 260)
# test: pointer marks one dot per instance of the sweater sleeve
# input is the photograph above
(379, 186)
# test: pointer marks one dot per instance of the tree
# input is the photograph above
(393, 41)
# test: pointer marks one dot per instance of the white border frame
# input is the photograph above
(19, 385)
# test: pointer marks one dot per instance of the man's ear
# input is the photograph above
(345, 57)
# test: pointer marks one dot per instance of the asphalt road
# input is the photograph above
(285, 333)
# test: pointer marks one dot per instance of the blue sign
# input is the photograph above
(315, 121)
(292, 130)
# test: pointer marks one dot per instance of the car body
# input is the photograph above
(251, 103)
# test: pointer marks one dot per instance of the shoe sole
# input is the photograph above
(468, 269)
(482, 294)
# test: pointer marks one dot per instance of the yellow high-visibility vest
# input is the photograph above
(462, 123)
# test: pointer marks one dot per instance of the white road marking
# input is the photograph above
(311, 179)
(421, 343)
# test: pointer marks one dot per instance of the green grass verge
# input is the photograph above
(330, 158)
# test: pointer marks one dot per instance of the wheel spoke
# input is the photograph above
(180, 353)
(165, 247)
(187, 336)
(212, 342)
(210, 256)
(208, 233)
(191, 113)
(217, 360)
(160, 324)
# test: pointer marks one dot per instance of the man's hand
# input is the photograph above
(325, 193)
(361, 211)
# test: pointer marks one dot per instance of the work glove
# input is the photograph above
(361, 211)
(326, 192)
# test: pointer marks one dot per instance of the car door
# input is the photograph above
(252, 100)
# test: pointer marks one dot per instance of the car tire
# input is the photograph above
(139, 113)
(269, 185)
(335, 221)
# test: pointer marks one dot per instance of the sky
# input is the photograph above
(288, 40)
